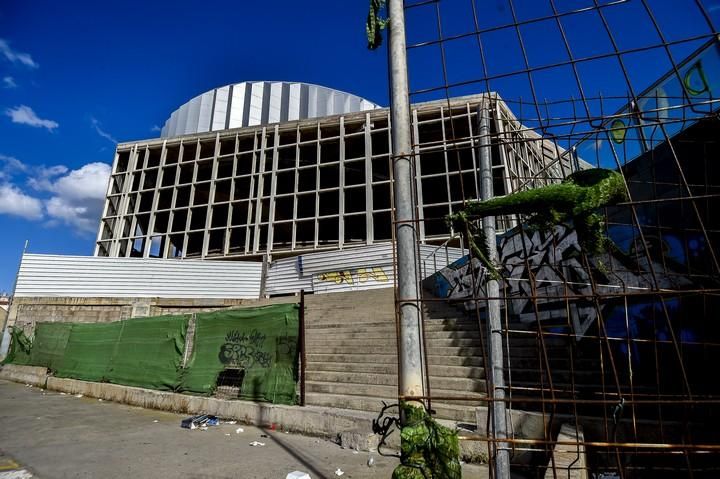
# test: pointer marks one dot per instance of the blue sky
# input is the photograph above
(76, 77)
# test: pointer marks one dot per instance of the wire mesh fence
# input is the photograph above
(608, 355)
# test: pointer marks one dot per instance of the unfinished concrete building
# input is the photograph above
(286, 181)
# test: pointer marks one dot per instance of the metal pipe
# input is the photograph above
(494, 324)
(303, 360)
(410, 364)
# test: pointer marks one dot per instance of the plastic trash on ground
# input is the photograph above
(202, 420)
(339, 472)
(298, 475)
(257, 444)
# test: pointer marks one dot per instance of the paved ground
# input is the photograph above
(56, 436)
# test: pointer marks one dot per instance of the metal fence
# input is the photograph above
(608, 355)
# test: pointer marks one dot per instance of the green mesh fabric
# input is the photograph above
(149, 353)
(260, 341)
(427, 449)
(49, 344)
(88, 351)
(20, 348)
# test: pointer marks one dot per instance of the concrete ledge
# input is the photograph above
(37, 376)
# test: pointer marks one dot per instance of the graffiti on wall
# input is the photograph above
(352, 277)
(542, 269)
(244, 350)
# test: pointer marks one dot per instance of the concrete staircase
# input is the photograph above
(352, 354)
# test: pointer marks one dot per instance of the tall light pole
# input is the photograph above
(411, 368)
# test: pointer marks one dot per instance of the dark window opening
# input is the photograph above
(142, 225)
(329, 203)
(237, 240)
(219, 216)
(355, 200)
(186, 174)
(202, 194)
(382, 226)
(204, 170)
(329, 177)
(285, 182)
(329, 131)
(222, 191)
(381, 196)
(355, 147)
(381, 169)
(161, 222)
(355, 173)
(176, 246)
(286, 158)
(309, 134)
(244, 164)
(328, 229)
(225, 168)
(138, 246)
(172, 154)
(239, 213)
(136, 181)
(355, 229)
(284, 206)
(194, 245)
(150, 179)
(207, 149)
(282, 234)
(306, 206)
(183, 197)
(433, 162)
(308, 154)
(380, 145)
(179, 220)
(189, 151)
(146, 200)
(329, 151)
(288, 137)
(123, 161)
(216, 242)
(305, 233)
(242, 188)
(246, 143)
(435, 224)
(227, 146)
(169, 174)
(198, 218)
(307, 179)
(154, 157)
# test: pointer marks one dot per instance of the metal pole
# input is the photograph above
(410, 341)
(494, 325)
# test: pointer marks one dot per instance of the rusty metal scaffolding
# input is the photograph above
(608, 358)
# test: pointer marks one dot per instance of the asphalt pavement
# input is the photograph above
(54, 435)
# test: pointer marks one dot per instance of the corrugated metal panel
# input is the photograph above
(89, 276)
(352, 269)
(283, 277)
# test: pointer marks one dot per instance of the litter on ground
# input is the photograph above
(339, 472)
(78, 395)
(298, 475)
(239, 430)
(257, 444)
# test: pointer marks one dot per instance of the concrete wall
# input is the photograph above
(26, 312)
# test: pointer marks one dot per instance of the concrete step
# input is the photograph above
(381, 391)
(389, 348)
(386, 342)
(385, 358)
(443, 383)
(376, 332)
(373, 368)
(461, 413)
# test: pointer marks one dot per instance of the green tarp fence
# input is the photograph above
(148, 352)
(260, 341)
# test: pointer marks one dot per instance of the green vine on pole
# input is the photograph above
(428, 450)
(576, 199)
(375, 24)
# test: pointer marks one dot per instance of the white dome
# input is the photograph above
(259, 103)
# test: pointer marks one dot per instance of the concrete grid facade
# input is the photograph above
(312, 184)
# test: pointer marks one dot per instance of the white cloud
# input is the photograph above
(25, 115)
(155, 128)
(78, 197)
(100, 131)
(10, 164)
(71, 197)
(16, 57)
(14, 202)
(9, 82)
(42, 179)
